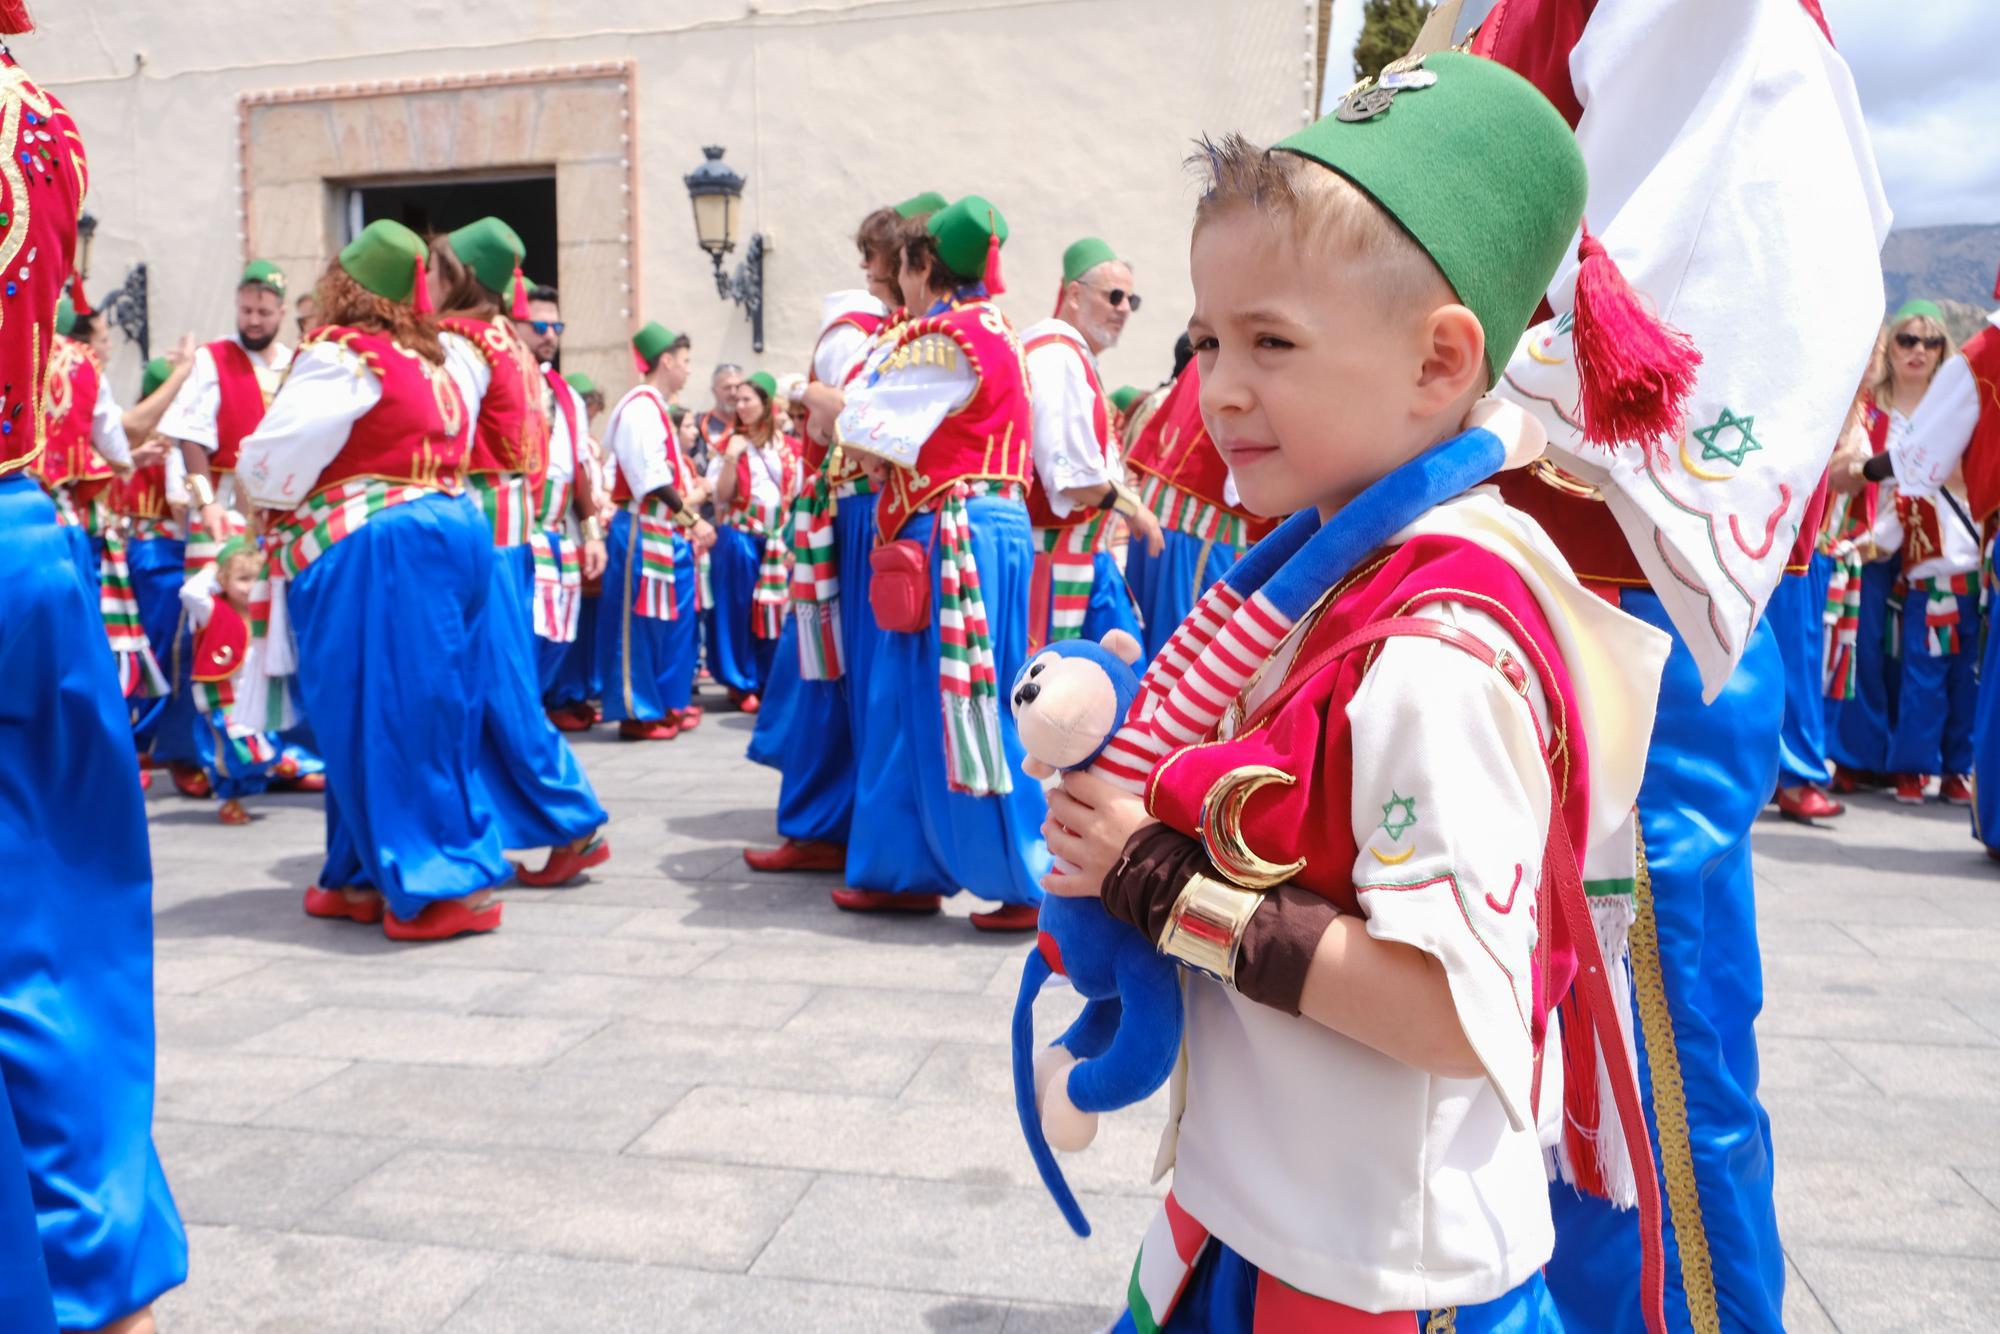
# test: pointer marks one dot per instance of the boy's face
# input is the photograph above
(1309, 386)
(236, 579)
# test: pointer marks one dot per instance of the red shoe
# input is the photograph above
(640, 730)
(744, 701)
(874, 900)
(443, 920)
(331, 903)
(565, 864)
(1008, 917)
(145, 780)
(190, 781)
(587, 712)
(1910, 789)
(568, 720)
(798, 855)
(1807, 803)
(1957, 790)
(300, 783)
(689, 718)
(232, 812)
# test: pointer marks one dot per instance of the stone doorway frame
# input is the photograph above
(299, 149)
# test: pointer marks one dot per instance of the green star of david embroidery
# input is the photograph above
(1398, 814)
(1745, 442)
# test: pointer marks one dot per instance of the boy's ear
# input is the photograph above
(1454, 350)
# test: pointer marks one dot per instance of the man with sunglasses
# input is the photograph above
(1079, 480)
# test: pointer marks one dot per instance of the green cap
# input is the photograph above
(916, 206)
(676, 412)
(1084, 256)
(1477, 167)
(765, 381)
(963, 232)
(653, 341)
(492, 250)
(158, 371)
(384, 259)
(65, 316)
(263, 273)
(1125, 395)
(1909, 310)
(582, 383)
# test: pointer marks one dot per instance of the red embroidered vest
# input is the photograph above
(1175, 447)
(1039, 512)
(1982, 454)
(510, 435)
(987, 438)
(39, 202)
(241, 405)
(219, 648)
(566, 406)
(621, 491)
(812, 452)
(70, 400)
(1310, 737)
(414, 434)
(789, 474)
(143, 495)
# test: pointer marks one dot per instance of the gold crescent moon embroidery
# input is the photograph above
(1696, 472)
(1396, 860)
(1535, 354)
(1222, 828)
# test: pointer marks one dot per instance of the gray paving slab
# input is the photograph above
(682, 1095)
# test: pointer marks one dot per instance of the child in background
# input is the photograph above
(217, 602)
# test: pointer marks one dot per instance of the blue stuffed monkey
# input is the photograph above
(1067, 702)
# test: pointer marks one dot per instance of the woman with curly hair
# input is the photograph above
(388, 574)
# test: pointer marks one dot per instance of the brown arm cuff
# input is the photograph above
(1279, 943)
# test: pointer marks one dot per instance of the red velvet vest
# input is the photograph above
(414, 434)
(221, 645)
(1175, 447)
(71, 398)
(1982, 455)
(1039, 512)
(39, 203)
(510, 434)
(621, 493)
(1310, 737)
(566, 406)
(813, 453)
(241, 406)
(987, 438)
(143, 495)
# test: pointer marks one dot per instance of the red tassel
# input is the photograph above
(420, 290)
(1636, 371)
(14, 17)
(994, 285)
(639, 363)
(77, 300)
(520, 308)
(1996, 286)
(1062, 289)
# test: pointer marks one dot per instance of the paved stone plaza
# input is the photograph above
(683, 1097)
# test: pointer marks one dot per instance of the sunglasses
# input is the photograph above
(547, 327)
(1117, 296)
(1906, 341)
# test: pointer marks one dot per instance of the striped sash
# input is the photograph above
(139, 675)
(1839, 669)
(1069, 555)
(651, 550)
(310, 531)
(503, 499)
(1941, 618)
(558, 592)
(1180, 512)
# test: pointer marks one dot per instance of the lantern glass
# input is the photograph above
(715, 222)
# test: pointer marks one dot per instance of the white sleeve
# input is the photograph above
(107, 427)
(469, 370)
(1450, 810)
(328, 390)
(1065, 445)
(563, 452)
(839, 349)
(1887, 534)
(191, 416)
(639, 441)
(1940, 429)
(198, 594)
(177, 474)
(899, 401)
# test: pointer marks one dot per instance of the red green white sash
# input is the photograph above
(503, 499)
(651, 549)
(1841, 615)
(975, 761)
(1180, 512)
(558, 594)
(139, 675)
(1941, 618)
(1071, 554)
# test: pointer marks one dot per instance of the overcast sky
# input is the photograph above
(1929, 75)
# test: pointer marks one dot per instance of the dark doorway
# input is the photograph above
(440, 204)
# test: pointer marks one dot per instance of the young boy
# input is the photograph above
(1370, 858)
(217, 602)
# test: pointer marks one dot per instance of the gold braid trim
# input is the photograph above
(1649, 990)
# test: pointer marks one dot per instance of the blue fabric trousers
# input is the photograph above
(549, 655)
(807, 729)
(76, 955)
(26, 1304)
(647, 664)
(390, 626)
(1709, 772)
(574, 678)
(526, 772)
(1221, 1298)
(737, 658)
(155, 564)
(921, 837)
(1938, 697)
(1986, 739)
(1167, 586)
(1857, 728)
(1796, 615)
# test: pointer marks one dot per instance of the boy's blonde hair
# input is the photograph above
(1329, 217)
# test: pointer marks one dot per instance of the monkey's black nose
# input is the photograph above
(1026, 695)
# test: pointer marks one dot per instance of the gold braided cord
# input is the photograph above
(1649, 991)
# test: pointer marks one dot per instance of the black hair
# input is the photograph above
(548, 294)
(1183, 354)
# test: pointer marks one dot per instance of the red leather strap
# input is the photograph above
(1421, 627)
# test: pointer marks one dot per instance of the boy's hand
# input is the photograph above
(1090, 821)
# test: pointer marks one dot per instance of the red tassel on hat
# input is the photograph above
(1061, 289)
(639, 362)
(1996, 286)
(994, 284)
(420, 290)
(520, 309)
(77, 300)
(14, 17)
(1636, 371)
